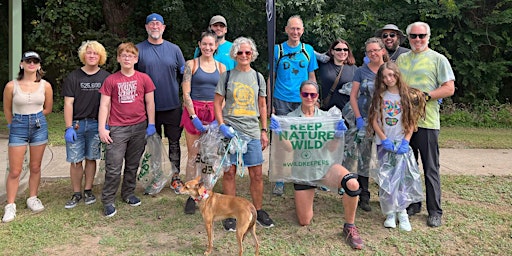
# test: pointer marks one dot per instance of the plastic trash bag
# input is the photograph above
(99, 178)
(24, 177)
(155, 168)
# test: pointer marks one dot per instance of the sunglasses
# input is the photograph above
(35, 61)
(421, 36)
(385, 35)
(341, 49)
(308, 94)
(248, 53)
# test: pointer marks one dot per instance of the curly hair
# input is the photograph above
(95, 46)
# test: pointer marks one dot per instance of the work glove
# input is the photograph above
(360, 123)
(227, 131)
(70, 135)
(404, 147)
(150, 130)
(340, 129)
(198, 124)
(388, 145)
(275, 126)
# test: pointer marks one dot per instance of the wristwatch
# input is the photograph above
(264, 130)
(192, 117)
(427, 96)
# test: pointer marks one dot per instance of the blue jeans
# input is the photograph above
(254, 154)
(29, 129)
(87, 142)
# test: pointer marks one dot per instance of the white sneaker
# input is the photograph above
(34, 204)
(10, 212)
(390, 221)
(403, 219)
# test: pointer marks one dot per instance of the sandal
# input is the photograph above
(176, 183)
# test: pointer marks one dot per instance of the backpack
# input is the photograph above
(227, 80)
(289, 55)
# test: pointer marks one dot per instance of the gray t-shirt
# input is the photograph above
(241, 110)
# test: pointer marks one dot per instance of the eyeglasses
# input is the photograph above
(373, 51)
(35, 61)
(248, 53)
(308, 94)
(421, 36)
(125, 56)
(341, 49)
(385, 35)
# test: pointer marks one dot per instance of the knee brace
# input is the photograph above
(349, 192)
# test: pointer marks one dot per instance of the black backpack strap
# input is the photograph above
(303, 50)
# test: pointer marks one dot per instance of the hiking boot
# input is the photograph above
(89, 198)
(34, 204)
(352, 237)
(434, 221)
(190, 206)
(278, 188)
(403, 220)
(390, 221)
(133, 200)
(176, 183)
(364, 204)
(75, 198)
(109, 210)
(264, 220)
(413, 209)
(10, 213)
(229, 224)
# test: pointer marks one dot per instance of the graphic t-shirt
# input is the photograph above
(392, 118)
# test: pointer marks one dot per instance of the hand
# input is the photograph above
(275, 126)
(70, 135)
(388, 145)
(198, 124)
(227, 131)
(340, 129)
(150, 130)
(8, 126)
(360, 123)
(404, 147)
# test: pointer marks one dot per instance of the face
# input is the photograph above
(374, 52)
(92, 58)
(219, 29)
(294, 29)
(389, 77)
(340, 52)
(311, 95)
(390, 39)
(155, 29)
(244, 55)
(418, 44)
(127, 59)
(30, 64)
(208, 45)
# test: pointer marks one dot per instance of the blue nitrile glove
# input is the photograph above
(275, 126)
(404, 147)
(440, 101)
(9, 126)
(70, 135)
(366, 60)
(227, 131)
(388, 145)
(340, 129)
(107, 127)
(150, 130)
(360, 123)
(198, 124)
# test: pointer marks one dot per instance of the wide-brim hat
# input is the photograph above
(401, 34)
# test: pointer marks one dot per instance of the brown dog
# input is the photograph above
(215, 207)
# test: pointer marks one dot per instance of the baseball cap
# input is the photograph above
(378, 33)
(218, 19)
(154, 17)
(30, 55)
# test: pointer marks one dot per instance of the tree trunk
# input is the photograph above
(116, 13)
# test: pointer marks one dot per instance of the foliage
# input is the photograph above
(480, 114)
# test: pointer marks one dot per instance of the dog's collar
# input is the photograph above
(203, 196)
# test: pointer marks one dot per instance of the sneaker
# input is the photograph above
(364, 204)
(403, 220)
(190, 206)
(264, 220)
(89, 198)
(109, 210)
(434, 221)
(75, 198)
(413, 209)
(278, 189)
(352, 237)
(133, 200)
(10, 213)
(34, 204)
(229, 224)
(176, 183)
(390, 221)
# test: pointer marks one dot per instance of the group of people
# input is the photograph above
(219, 84)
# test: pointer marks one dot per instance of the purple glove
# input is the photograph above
(360, 123)
(404, 147)
(151, 129)
(340, 128)
(70, 135)
(198, 124)
(388, 145)
(227, 131)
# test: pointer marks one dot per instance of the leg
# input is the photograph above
(92, 152)
(192, 150)
(304, 205)
(228, 181)
(171, 121)
(76, 172)
(208, 223)
(90, 171)
(36, 157)
(333, 178)
(429, 151)
(134, 151)
(114, 157)
(16, 158)
(256, 186)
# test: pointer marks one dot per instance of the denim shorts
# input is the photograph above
(28, 130)
(87, 142)
(282, 107)
(253, 156)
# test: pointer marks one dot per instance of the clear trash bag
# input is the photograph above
(155, 168)
(99, 178)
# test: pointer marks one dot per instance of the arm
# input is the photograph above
(262, 105)
(186, 87)
(353, 98)
(149, 98)
(217, 108)
(312, 76)
(48, 99)
(68, 111)
(447, 89)
(102, 119)
(222, 68)
(378, 130)
(9, 87)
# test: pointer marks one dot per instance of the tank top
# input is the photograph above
(203, 84)
(25, 103)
